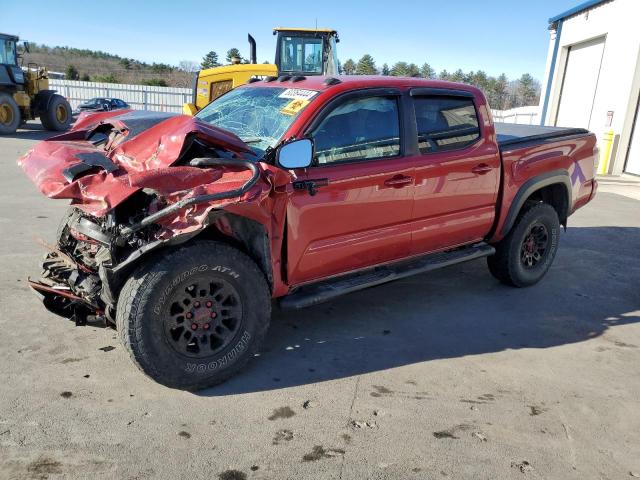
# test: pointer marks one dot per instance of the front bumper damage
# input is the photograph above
(145, 192)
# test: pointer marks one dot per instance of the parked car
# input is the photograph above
(101, 104)
(183, 229)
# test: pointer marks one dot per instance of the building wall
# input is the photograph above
(619, 79)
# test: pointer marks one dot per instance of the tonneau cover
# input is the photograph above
(509, 134)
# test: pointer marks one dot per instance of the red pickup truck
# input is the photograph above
(183, 229)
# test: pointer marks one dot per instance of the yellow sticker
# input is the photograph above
(294, 106)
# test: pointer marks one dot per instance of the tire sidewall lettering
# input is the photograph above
(222, 362)
(178, 279)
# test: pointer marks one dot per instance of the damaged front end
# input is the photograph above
(138, 182)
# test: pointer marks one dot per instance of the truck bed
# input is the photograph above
(512, 134)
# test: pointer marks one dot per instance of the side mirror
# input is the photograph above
(297, 154)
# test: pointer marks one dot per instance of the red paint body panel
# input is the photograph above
(356, 221)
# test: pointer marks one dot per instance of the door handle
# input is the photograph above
(481, 169)
(398, 181)
(311, 186)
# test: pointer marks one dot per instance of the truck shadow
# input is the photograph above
(31, 131)
(456, 312)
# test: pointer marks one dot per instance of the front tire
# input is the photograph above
(10, 117)
(525, 255)
(57, 117)
(195, 316)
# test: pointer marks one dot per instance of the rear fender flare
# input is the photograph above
(555, 177)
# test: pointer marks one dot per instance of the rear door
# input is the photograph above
(457, 170)
(361, 211)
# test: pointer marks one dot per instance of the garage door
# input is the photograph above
(580, 83)
(633, 157)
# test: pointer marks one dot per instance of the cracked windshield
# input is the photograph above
(259, 116)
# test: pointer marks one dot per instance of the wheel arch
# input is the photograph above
(245, 234)
(553, 188)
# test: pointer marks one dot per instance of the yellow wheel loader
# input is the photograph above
(299, 51)
(25, 94)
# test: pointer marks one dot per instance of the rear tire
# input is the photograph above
(57, 117)
(10, 117)
(525, 255)
(195, 316)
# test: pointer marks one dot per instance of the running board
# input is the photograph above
(327, 290)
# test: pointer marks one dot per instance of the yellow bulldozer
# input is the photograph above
(299, 51)
(25, 94)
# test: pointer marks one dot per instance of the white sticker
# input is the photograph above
(298, 94)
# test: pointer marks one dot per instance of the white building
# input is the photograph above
(592, 78)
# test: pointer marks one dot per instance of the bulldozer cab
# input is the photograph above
(304, 51)
(299, 51)
(11, 75)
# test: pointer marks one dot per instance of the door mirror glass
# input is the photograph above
(296, 154)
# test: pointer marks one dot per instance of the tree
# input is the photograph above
(426, 71)
(458, 76)
(500, 91)
(189, 66)
(111, 78)
(85, 77)
(71, 73)
(444, 75)
(366, 65)
(232, 53)
(400, 69)
(385, 69)
(349, 67)
(126, 63)
(527, 91)
(155, 82)
(413, 70)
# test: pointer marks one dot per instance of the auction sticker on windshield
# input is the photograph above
(298, 94)
(294, 106)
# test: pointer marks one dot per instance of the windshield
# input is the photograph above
(301, 54)
(7, 52)
(259, 116)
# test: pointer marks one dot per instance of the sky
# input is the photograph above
(496, 36)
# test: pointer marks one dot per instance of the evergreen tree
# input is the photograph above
(413, 70)
(400, 69)
(349, 67)
(366, 66)
(210, 60)
(71, 73)
(426, 71)
(385, 69)
(444, 75)
(527, 90)
(233, 52)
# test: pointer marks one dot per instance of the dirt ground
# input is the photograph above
(445, 375)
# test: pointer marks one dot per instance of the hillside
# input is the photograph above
(106, 67)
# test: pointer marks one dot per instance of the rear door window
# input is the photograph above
(358, 129)
(445, 123)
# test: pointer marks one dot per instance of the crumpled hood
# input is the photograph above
(140, 148)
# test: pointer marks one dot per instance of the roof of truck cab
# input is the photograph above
(354, 82)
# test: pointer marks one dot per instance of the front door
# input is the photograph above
(359, 214)
(456, 171)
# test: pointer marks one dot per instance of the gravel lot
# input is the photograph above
(445, 375)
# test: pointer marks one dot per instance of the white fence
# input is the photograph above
(141, 97)
(524, 115)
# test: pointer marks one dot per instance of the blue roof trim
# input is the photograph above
(577, 9)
